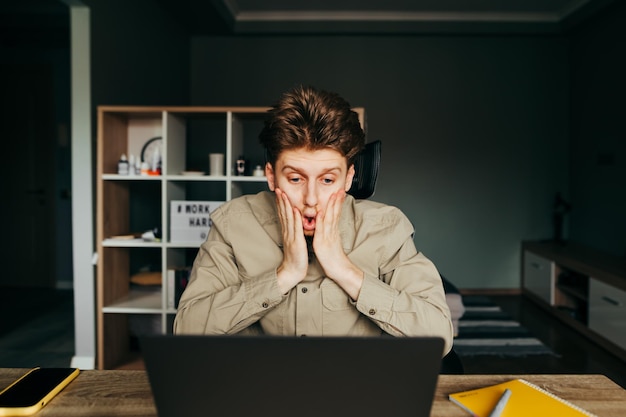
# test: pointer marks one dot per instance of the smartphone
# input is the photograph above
(33, 390)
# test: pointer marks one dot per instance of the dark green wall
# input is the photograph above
(479, 132)
(598, 137)
(139, 55)
(474, 129)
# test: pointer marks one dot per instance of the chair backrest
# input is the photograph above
(366, 165)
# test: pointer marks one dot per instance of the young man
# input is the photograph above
(306, 258)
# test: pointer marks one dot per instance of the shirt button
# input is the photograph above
(372, 311)
(304, 290)
(265, 304)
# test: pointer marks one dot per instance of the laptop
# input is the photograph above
(237, 376)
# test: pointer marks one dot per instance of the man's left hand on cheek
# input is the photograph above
(327, 240)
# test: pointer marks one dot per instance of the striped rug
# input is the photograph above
(485, 329)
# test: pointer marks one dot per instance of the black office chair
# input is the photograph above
(366, 166)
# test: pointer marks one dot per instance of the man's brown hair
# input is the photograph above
(306, 117)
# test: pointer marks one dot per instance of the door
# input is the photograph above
(27, 174)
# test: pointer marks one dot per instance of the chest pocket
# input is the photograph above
(334, 298)
(340, 316)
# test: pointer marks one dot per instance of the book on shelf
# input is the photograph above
(177, 279)
(526, 399)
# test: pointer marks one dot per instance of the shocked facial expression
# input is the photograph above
(309, 178)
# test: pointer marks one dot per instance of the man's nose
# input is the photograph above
(310, 197)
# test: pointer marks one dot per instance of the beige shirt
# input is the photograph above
(233, 286)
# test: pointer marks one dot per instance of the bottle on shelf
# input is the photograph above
(155, 169)
(145, 168)
(131, 164)
(137, 166)
(122, 165)
(241, 166)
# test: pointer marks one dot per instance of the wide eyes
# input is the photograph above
(295, 179)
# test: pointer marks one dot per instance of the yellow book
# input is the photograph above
(526, 400)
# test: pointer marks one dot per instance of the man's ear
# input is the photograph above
(269, 174)
(349, 178)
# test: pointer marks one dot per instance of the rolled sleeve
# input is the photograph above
(262, 293)
(402, 291)
(376, 299)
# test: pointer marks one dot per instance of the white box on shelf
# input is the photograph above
(190, 221)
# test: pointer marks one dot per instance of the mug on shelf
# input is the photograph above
(216, 164)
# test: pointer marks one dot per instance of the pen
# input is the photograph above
(497, 410)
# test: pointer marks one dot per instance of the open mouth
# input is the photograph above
(308, 223)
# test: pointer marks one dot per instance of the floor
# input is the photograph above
(575, 353)
(37, 330)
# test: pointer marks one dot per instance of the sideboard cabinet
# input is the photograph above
(583, 287)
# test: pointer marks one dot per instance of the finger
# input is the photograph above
(297, 222)
(279, 202)
(333, 211)
(292, 219)
(283, 213)
(288, 215)
(284, 208)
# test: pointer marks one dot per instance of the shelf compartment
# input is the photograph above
(137, 301)
(573, 283)
(195, 191)
(137, 207)
(245, 140)
(124, 131)
(571, 293)
(204, 134)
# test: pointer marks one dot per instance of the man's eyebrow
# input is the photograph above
(289, 167)
(296, 169)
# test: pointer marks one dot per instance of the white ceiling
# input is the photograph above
(403, 16)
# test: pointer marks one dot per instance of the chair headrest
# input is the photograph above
(366, 166)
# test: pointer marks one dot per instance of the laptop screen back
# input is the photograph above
(286, 376)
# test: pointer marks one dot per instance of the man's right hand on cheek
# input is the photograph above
(295, 262)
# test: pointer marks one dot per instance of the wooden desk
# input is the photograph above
(127, 393)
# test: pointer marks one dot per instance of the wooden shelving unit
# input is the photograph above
(134, 204)
(130, 204)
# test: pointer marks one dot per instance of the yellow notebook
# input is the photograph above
(526, 400)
